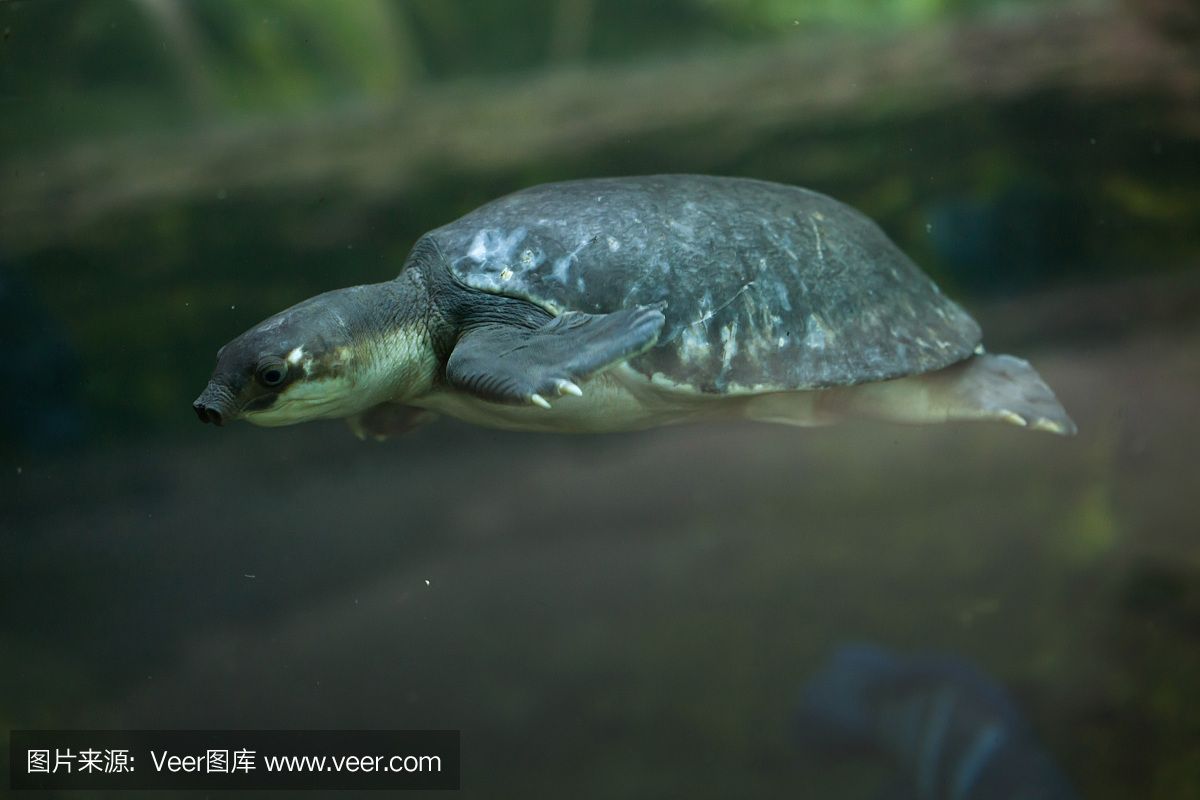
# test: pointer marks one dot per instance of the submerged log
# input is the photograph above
(693, 112)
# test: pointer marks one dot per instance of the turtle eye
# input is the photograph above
(272, 371)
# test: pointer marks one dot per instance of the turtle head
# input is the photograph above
(318, 359)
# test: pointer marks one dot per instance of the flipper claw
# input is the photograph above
(538, 400)
(568, 387)
(1013, 418)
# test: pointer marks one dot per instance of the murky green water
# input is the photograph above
(622, 615)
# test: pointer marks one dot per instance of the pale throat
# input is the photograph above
(397, 364)
(396, 359)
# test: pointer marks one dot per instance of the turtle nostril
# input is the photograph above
(207, 413)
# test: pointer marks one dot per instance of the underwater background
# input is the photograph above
(607, 616)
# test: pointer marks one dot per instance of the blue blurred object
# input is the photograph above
(40, 405)
(1023, 237)
(949, 731)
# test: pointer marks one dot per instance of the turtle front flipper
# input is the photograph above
(387, 420)
(507, 363)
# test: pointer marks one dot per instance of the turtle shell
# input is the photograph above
(764, 287)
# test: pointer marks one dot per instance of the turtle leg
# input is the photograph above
(1001, 388)
(512, 363)
(984, 387)
(386, 420)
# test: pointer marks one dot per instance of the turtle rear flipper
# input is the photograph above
(983, 387)
(510, 363)
(998, 387)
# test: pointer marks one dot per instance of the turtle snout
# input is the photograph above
(207, 413)
(211, 405)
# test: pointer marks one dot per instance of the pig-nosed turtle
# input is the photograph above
(623, 303)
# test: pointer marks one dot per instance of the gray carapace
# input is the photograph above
(624, 303)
